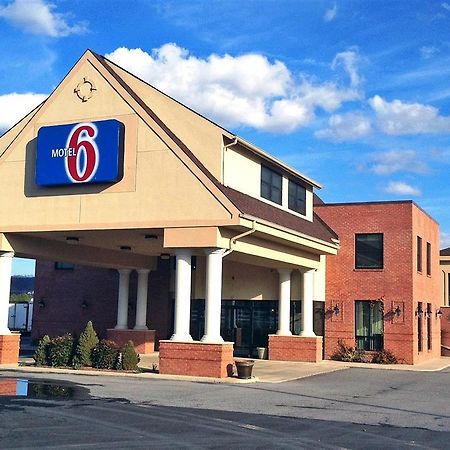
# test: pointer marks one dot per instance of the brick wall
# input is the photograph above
(64, 292)
(196, 359)
(295, 348)
(397, 284)
(9, 348)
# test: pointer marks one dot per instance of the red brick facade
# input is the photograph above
(9, 348)
(196, 359)
(295, 348)
(70, 298)
(143, 340)
(397, 284)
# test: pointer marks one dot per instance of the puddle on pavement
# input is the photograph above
(21, 387)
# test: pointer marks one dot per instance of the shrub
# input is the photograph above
(347, 353)
(130, 358)
(83, 353)
(384, 357)
(60, 350)
(105, 355)
(41, 353)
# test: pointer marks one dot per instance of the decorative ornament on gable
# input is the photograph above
(85, 89)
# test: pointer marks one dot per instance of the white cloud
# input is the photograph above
(446, 6)
(38, 17)
(15, 106)
(246, 90)
(400, 188)
(428, 52)
(397, 161)
(346, 127)
(349, 60)
(330, 14)
(397, 118)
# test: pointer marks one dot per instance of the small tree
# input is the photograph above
(130, 358)
(105, 355)
(61, 351)
(88, 340)
(41, 353)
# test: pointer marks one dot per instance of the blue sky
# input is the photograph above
(353, 93)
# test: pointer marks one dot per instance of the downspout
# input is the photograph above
(225, 147)
(234, 239)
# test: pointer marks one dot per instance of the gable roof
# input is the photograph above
(445, 252)
(245, 203)
(121, 72)
(249, 205)
(235, 202)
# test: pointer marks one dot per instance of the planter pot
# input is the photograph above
(244, 369)
(262, 352)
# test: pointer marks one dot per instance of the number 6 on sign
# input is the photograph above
(82, 163)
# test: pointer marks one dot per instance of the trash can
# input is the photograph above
(244, 369)
(262, 352)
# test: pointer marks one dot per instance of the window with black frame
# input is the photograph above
(271, 185)
(369, 251)
(428, 258)
(297, 197)
(369, 325)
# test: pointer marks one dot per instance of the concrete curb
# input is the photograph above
(144, 375)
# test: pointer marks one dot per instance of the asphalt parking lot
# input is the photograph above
(352, 408)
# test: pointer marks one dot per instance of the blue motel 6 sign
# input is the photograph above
(87, 152)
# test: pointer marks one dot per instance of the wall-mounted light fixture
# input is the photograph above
(428, 312)
(335, 310)
(73, 240)
(419, 312)
(438, 313)
(398, 311)
(41, 303)
(164, 256)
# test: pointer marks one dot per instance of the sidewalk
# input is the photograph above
(264, 371)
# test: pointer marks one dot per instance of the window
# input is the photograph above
(271, 185)
(297, 198)
(369, 251)
(61, 265)
(419, 327)
(419, 254)
(369, 324)
(429, 314)
(428, 258)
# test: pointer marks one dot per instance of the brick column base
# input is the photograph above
(295, 348)
(143, 340)
(196, 359)
(9, 348)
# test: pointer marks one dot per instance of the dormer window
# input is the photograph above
(297, 198)
(271, 183)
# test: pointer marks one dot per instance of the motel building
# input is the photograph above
(163, 227)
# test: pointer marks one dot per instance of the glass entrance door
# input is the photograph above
(369, 325)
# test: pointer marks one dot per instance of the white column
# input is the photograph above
(284, 305)
(122, 303)
(5, 289)
(307, 304)
(182, 296)
(213, 296)
(141, 303)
